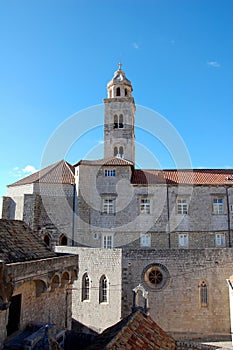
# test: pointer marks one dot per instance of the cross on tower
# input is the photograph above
(119, 66)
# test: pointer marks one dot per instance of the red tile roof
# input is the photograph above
(19, 243)
(184, 176)
(58, 173)
(137, 331)
(63, 173)
(103, 162)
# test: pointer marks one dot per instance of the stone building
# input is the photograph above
(174, 228)
(35, 286)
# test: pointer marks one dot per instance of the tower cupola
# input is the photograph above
(119, 110)
(119, 86)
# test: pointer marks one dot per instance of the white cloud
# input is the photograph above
(29, 169)
(214, 64)
(135, 45)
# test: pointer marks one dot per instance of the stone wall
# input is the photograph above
(96, 263)
(51, 306)
(119, 137)
(175, 303)
(163, 223)
(16, 193)
(45, 289)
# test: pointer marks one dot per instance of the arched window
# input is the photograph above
(115, 151)
(47, 239)
(103, 289)
(203, 294)
(63, 240)
(126, 92)
(121, 152)
(115, 121)
(85, 287)
(118, 91)
(120, 121)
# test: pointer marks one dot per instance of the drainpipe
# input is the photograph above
(228, 218)
(168, 219)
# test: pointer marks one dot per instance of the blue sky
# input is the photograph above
(58, 55)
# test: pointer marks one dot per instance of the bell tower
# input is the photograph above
(119, 110)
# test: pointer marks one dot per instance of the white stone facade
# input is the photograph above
(96, 263)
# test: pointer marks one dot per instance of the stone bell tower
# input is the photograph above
(119, 110)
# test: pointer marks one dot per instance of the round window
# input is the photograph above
(155, 276)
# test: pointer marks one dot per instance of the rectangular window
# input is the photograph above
(220, 240)
(146, 240)
(183, 240)
(108, 206)
(182, 206)
(145, 206)
(110, 172)
(218, 206)
(107, 242)
(231, 208)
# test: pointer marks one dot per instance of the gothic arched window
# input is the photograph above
(103, 289)
(47, 239)
(118, 91)
(85, 287)
(63, 240)
(203, 294)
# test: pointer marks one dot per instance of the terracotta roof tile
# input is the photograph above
(184, 176)
(18, 243)
(103, 162)
(60, 172)
(136, 331)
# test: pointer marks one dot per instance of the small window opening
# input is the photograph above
(63, 240)
(103, 290)
(85, 287)
(118, 91)
(121, 152)
(120, 121)
(126, 92)
(47, 240)
(115, 151)
(203, 294)
(115, 121)
(14, 315)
